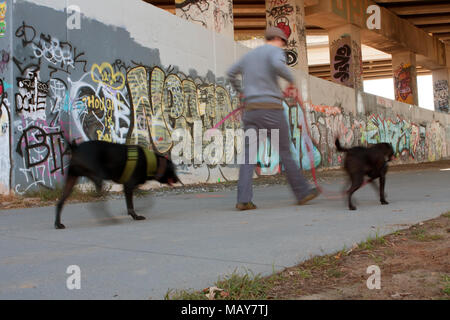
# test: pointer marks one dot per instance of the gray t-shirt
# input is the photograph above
(260, 69)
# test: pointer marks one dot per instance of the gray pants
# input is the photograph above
(270, 119)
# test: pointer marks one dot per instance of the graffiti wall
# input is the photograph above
(133, 85)
(215, 15)
(5, 98)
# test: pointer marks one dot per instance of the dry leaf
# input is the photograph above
(212, 293)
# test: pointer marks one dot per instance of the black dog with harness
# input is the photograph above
(126, 165)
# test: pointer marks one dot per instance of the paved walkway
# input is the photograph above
(189, 240)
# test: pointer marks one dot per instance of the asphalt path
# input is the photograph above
(190, 240)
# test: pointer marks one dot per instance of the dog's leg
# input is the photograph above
(70, 183)
(357, 182)
(382, 194)
(375, 186)
(129, 199)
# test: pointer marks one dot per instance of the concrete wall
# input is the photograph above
(133, 73)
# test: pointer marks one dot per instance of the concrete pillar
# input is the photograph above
(345, 56)
(289, 15)
(215, 15)
(441, 85)
(405, 77)
(441, 81)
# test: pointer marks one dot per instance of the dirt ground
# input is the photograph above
(414, 264)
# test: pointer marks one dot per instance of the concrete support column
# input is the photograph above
(441, 81)
(289, 15)
(215, 15)
(405, 77)
(345, 56)
(441, 85)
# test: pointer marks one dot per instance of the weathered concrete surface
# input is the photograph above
(190, 240)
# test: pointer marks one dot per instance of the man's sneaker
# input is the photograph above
(312, 194)
(246, 206)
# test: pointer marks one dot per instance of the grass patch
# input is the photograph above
(235, 286)
(376, 259)
(420, 234)
(334, 273)
(372, 242)
(304, 274)
(446, 215)
(446, 280)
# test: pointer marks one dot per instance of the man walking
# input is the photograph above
(260, 69)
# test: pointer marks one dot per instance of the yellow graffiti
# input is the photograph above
(163, 104)
(105, 74)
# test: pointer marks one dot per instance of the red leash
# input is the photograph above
(293, 93)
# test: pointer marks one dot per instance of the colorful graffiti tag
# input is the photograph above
(403, 84)
(282, 14)
(5, 141)
(3, 8)
(441, 96)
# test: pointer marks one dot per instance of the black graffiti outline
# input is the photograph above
(42, 144)
(279, 11)
(343, 55)
(21, 32)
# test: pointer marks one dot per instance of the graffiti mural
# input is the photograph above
(64, 91)
(346, 62)
(3, 8)
(115, 102)
(282, 14)
(5, 141)
(404, 91)
(4, 60)
(441, 96)
(312, 141)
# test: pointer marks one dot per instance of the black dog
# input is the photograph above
(371, 161)
(127, 165)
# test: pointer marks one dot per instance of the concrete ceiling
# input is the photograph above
(433, 16)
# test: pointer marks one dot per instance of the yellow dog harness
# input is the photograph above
(132, 158)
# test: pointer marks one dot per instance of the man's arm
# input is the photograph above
(233, 73)
(279, 63)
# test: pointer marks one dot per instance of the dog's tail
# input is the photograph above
(339, 147)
